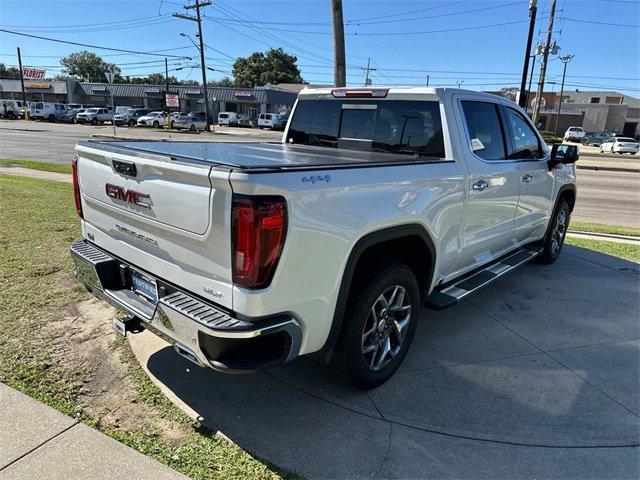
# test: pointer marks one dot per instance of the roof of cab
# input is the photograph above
(393, 93)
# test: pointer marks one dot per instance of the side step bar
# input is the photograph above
(450, 294)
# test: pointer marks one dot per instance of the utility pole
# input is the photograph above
(367, 80)
(428, 76)
(24, 95)
(339, 62)
(533, 10)
(167, 121)
(198, 19)
(565, 60)
(110, 76)
(543, 68)
(526, 96)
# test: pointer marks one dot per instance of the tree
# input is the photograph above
(509, 92)
(88, 66)
(273, 66)
(11, 73)
(223, 82)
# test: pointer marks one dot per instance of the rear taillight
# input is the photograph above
(76, 186)
(259, 226)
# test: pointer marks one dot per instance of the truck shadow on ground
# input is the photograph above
(547, 357)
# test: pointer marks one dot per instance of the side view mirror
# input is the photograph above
(563, 154)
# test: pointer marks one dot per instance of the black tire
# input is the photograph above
(171, 124)
(52, 118)
(350, 361)
(556, 233)
(94, 121)
(192, 127)
(131, 122)
(156, 124)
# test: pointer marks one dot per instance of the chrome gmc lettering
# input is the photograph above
(130, 196)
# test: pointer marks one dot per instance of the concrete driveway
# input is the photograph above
(536, 376)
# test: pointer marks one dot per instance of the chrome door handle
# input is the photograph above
(527, 178)
(480, 185)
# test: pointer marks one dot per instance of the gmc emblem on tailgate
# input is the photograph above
(130, 196)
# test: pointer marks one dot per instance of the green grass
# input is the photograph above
(37, 292)
(621, 250)
(44, 166)
(600, 228)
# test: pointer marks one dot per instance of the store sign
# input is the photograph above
(242, 94)
(152, 90)
(172, 100)
(33, 73)
(193, 91)
(99, 89)
(38, 85)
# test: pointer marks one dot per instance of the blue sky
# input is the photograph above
(607, 57)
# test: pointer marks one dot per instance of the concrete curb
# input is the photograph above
(605, 236)
(598, 168)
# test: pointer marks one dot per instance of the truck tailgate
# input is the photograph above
(169, 218)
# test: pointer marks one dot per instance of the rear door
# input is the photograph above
(493, 185)
(537, 182)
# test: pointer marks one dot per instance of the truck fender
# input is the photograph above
(362, 245)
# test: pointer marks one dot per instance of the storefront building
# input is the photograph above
(249, 101)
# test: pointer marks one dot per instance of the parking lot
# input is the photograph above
(542, 369)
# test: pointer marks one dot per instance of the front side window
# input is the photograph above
(525, 143)
(485, 129)
(389, 126)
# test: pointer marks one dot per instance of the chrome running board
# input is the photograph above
(448, 295)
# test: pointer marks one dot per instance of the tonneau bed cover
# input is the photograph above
(252, 156)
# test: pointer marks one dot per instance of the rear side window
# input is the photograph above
(524, 141)
(485, 129)
(390, 126)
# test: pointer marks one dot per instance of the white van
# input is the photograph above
(270, 120)
(227, 118)
(47, 110)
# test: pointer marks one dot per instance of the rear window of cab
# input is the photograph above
(390, 126)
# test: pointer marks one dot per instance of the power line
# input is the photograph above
(627, 25)
(105, 29)
(410, 12)
(450, 14)
(89, 45)
(67, 27)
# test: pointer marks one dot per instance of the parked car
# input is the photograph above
(594, 138)
(94, 116)
(574, 134)
(69, 115)
(47, 111)
(246, 121)
(227, 118)
(270, 120)
(619, 145)
(248, 255)
(152, 119)
(175, 116)
(9, 109)
(192, 121)
(130, 117)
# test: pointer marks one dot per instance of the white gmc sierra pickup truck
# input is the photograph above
(377, 203)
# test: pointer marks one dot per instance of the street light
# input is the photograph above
(190, 39)
(565, 60)
(460, 83)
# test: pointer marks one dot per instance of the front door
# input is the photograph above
(493, 184)
(537, 182)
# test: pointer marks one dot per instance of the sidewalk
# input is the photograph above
(37, 441)
(618, 164)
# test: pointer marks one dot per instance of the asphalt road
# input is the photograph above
(612, 198)
(603, 197)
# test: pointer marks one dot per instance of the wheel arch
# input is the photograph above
(410, 244)
(568, 192)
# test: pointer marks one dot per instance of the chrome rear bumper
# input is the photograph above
(200, 331)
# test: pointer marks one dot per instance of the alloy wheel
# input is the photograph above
(386, 327)
(559, 231)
